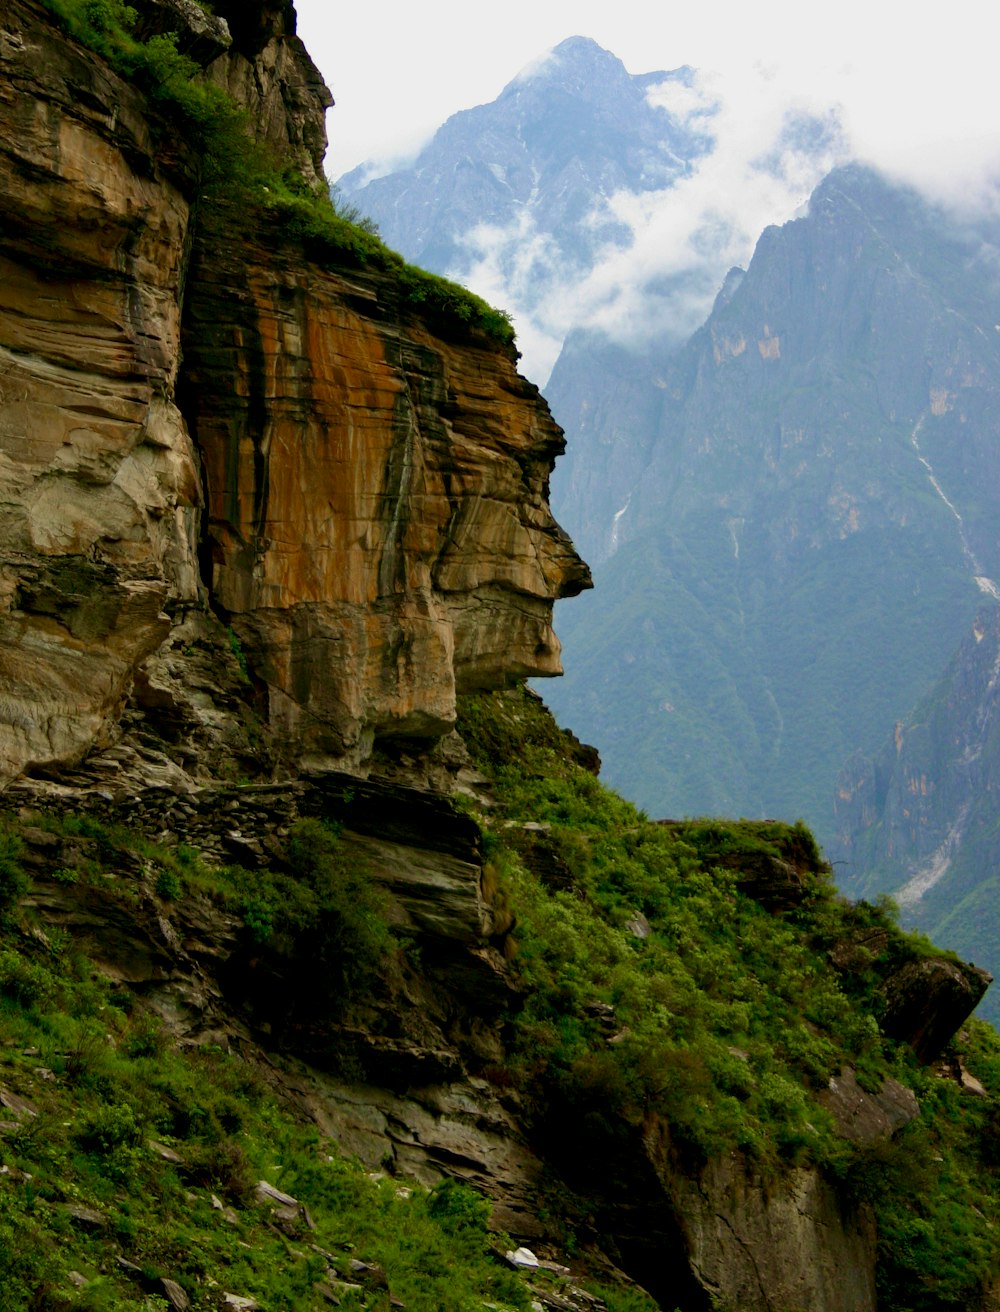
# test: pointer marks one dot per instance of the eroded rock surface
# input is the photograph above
(786, 1245)
(99, 490)
(268, 70)
(377, 494)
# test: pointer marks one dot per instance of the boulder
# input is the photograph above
(927, 1001)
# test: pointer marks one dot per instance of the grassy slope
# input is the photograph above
(729, 1018)
(163, 1145)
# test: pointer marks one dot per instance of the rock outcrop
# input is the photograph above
(792, 1245)
(268, 71)
(376, 494)
(927, 1001)
(377, 516)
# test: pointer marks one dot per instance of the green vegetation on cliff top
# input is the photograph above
(242, 180)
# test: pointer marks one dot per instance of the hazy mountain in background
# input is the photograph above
(580, 197)
(559, 140)
(794, 518)
(920, 818)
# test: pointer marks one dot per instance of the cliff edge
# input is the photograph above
(225, 464)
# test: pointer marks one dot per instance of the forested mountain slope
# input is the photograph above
(801, 525)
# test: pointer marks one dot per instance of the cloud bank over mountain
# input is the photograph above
(588, 197)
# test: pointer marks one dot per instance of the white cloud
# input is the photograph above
(769, 153)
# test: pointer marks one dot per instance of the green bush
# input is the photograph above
(14, 882)
(24, 980)
(168, 884)
(324, 912)
(456, 1207)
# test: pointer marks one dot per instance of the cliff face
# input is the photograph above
(99, 483)
(377, 513)
(375, 494)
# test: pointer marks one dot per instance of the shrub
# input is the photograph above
(456, 1208)
(168, 884)
(13, 880)
(27, 982)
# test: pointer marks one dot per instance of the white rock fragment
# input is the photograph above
(524, 1258)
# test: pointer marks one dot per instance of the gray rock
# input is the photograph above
(864, 1117)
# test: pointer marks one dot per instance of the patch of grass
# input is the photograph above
(83, 1185)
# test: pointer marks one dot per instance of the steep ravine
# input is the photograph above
(267, 522)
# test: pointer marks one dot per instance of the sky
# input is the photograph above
(917, 82)
(911, 87)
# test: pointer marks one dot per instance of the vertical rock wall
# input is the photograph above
(378, 522)
(379, 533)
(99, 489)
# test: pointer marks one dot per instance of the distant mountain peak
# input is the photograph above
(584, 68)
(577, 54)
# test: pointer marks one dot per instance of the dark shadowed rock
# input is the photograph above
(926, 1002)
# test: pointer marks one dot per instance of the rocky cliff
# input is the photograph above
(267, 517)
(377, 532)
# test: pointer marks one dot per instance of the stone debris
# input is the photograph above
(19, 1106)
(267, 1193)
(370, 1274)
(522, 1259)
(86, 1217)
(174, 1295)
(638, 926)
(970, 1084)
(167, 1153)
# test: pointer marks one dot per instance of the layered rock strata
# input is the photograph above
(99, 485)
(379, 534)
(378, 522)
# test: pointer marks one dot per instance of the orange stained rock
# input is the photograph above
(378, 502)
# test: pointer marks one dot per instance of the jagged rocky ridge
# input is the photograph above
(261, 519)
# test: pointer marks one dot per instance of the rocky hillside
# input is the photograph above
(310, 917)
